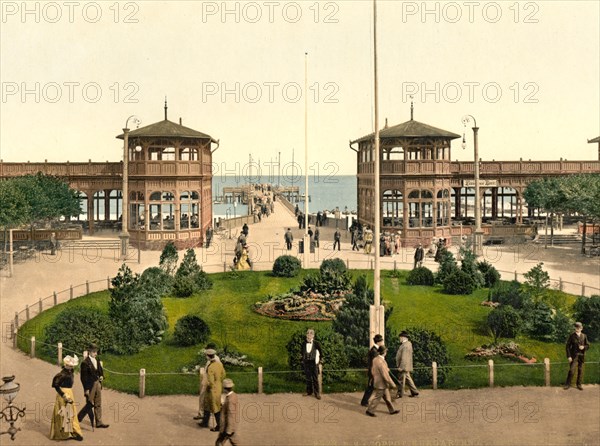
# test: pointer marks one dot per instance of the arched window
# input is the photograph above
(393, 209)
(420, 208)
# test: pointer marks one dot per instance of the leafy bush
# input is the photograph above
(190, 330)
(587, 311)
(509, 293)
(140, 322)
(468, 265)
(420, 276)
(286, 266)
(202, 281)
(427, 348)
(562, 326)
(183, 286)
(157, 279)
(169, 258)
(77, 327)
(504, 322)
(491, 276)
(459, 282)
(447, 266)
(334, 355)
(537, 319)
(331, 278)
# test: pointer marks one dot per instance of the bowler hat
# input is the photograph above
(578, 325)
(228, 383)
(377, 338)
(92, 348)
(404, 334)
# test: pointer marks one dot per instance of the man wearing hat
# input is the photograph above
(404, 362)
(577, 344)
(215, 374)
(373, 353)
(229, 420)
(204, 382)
(92, 376)
(311, 357)
(419, 255)
(382, 382)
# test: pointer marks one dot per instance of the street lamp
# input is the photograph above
(478, 242)
(125, 199)
(10, 413)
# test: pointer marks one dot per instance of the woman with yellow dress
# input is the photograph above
(64, 424)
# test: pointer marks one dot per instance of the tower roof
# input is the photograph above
(167, 129)
(410, 129)
(596, 139)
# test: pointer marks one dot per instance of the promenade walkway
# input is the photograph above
(500, 416)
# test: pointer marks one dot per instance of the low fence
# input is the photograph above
(544, 373)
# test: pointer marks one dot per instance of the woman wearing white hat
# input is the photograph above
(64, 424)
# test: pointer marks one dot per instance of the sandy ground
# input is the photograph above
(500, 416)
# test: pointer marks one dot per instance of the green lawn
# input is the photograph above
(459, 320)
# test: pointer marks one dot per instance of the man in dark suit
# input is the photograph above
(312, 356)
(419, 255)
(230, 415)
(92, 376)
(373, 353)
(577, 345)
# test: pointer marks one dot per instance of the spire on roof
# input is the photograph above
(412, 108)
(166, 108)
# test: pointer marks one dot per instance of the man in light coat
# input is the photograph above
(382, 383)
(215, 374)
(404, 362)
(229, 420)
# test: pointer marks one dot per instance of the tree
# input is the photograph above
(547, 194)
(582, 196)
(448, 266)
(537, 282)
(468, 265)
(169, 258)
(504, 322)
(587, 311)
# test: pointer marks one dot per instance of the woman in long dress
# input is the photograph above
(64, 424)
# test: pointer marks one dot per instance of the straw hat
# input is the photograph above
(71, 361)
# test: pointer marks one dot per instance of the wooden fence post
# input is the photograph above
(547, 372)
(434, 372)
(40, 305)
(260, 380)
(142, 383)
(371, 263)
(55, 298)
(560, 284)
(582, 289)
(87, 287)
(32, 352)
(516, 276)
(16, 320)
(60, 354)
(491, 372)
(108, 283)
(71, 292)
(27, 312)
(347, 263)
(224, 267)
(395, 267)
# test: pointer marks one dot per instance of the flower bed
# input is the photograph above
(308, 306)
(509, 350)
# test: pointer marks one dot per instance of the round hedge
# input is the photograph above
(190, 330)
(459, 282)
(420, 276)
(286, 266)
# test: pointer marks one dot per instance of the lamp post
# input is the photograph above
(478, 242)
(125, 199)
(10, 413)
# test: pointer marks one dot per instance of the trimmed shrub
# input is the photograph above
(537, 320)
(420, 276)
(587, 311)
(123, 285)
(77, 327)
(447, 266)
(468, 265)
(183, 286)
(427, 348)
(202, 281)
(491, 276)
(189, 265)
(459, 282)
(509, 293)
(562, 326)
(190, 330)
(286, 266)
(157, 279)
(334, 275)
(334, 354)
(504, 322)
(169, 258)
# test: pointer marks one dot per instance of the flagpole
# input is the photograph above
(306, 237)
(377, 312)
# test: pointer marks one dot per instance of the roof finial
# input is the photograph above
(166, 108)
(386, 124)
(412, 107)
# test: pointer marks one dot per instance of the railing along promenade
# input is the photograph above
(487, 168)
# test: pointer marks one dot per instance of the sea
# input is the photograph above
(324, 192)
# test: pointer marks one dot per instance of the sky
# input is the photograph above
(73, 72)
